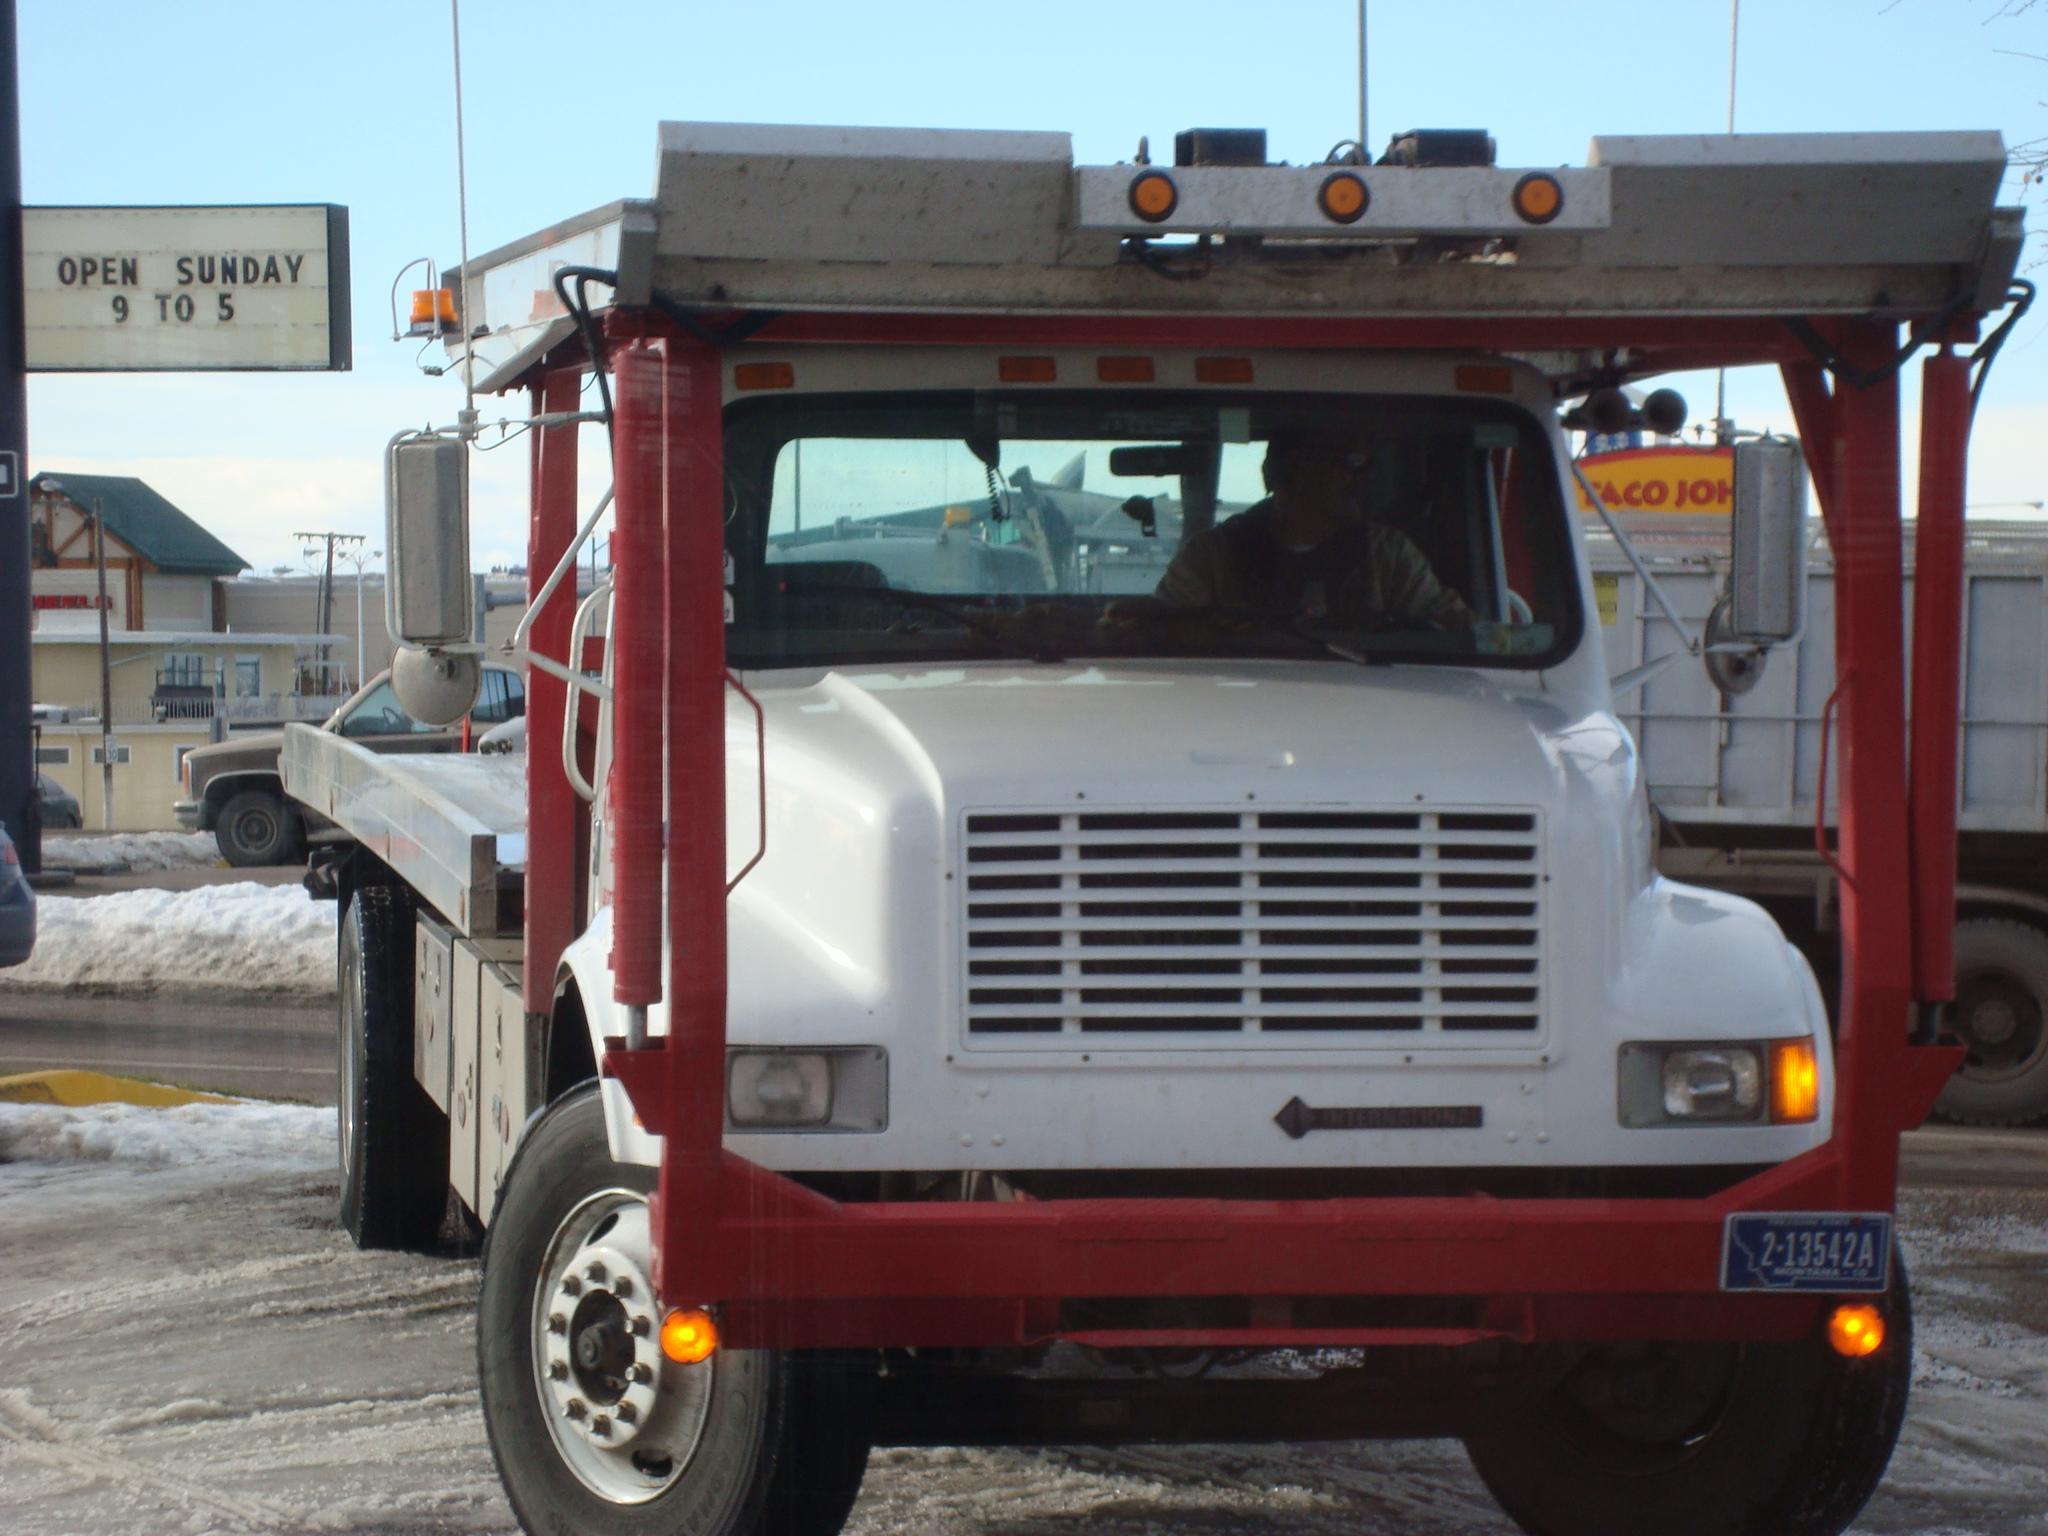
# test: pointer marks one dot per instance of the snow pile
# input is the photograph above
(135, 850)
(281, 1137)
(242, 937)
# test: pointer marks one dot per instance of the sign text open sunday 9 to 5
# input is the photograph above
(158, 289)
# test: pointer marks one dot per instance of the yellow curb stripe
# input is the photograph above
(74, 1087)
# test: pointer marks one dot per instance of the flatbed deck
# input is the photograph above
(453, 827)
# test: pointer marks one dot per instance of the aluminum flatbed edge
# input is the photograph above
(453, 827)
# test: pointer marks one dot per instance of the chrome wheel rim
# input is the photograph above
(625, 1419)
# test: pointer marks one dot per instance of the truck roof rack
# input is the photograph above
(920, 221)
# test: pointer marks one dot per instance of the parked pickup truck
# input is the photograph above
(232, 788)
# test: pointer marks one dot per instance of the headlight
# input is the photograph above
(832, 1088)
(1718, 1082)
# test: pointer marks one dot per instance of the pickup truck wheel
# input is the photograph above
(593, 1427)
(2001, 1015)
(394, 1138)
(257, 827)
(1706, 1439)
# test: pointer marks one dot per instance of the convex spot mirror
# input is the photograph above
(428, 598)
(1767, 545)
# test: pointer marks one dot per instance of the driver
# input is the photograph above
(1307, 552)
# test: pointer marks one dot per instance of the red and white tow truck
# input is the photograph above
(918, 986)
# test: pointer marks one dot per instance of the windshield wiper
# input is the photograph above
(977, 622)
(1216, 620)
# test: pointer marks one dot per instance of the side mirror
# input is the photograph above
(427, 594)
(1767, 546)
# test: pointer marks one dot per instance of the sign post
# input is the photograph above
(17, 743)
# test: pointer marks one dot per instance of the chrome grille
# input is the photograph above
(1203, 927)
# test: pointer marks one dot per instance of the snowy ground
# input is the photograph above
(242, 937)
(188, 1345)
(87, 852)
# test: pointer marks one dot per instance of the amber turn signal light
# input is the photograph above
(1795, 1082)
(1153, 196)
(1538, 198)
(1856, 1329)
(689, 1335)
(1343, 198)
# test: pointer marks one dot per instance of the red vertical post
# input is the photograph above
(695, 571)
(1937, 670)
(551, 808)
(1863, 476)
(639, 675)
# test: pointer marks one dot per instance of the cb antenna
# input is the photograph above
(1364, 144)
(462, 219)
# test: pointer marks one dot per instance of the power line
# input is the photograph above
(325, 609)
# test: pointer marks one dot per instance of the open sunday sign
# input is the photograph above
(160, 289)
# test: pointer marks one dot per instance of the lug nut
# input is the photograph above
(627, 1413)
(641, 1374)
(595, 1274)
(641, 1327)
(557, 1323)
(622, 1287)
(571, 1286)
(600, 1425)
(574, 1408)
(558, 1370)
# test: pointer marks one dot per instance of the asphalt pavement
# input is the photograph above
(262, 1047)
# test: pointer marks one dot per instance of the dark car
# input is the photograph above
(58, 806)
(232, 788)
(17, 907)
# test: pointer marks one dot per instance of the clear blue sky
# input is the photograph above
(126, 101)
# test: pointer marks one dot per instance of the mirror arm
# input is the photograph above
(1650, 583)
(1635, 677)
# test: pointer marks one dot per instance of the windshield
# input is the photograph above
(1062, 526)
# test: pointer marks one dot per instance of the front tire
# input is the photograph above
(593, 1428)
(1706, 1439)
(2001, 1015)
(257, 828)
(393, 1137)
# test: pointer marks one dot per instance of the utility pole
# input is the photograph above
(17, 751)
(99, 548)
(326, 615)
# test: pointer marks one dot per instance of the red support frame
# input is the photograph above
(552, 812)
(790, 1267)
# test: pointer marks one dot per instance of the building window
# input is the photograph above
(185, 669)
(56, 757)
(99, 759)
(248, 676)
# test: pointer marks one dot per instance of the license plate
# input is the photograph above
(1806, 1251)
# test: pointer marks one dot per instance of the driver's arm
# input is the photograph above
(1196, 577)
(1400, 583)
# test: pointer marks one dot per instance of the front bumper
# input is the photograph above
(190, 814)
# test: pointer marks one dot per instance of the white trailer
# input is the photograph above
(1735, 775)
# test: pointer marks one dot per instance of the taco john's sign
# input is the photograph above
(1698, 482)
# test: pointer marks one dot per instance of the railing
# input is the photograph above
(246, 709)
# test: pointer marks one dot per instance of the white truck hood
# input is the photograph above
(1162, 733)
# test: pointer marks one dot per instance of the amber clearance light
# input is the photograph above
(1153, 196)
(1795, 1082)
(1538, 198)
(689, 1335)
(1343, 198)
(1856, 1329)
